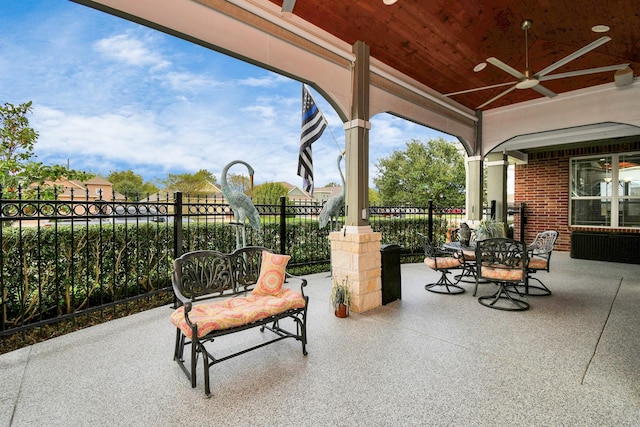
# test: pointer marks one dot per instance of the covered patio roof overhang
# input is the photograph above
(366, 58)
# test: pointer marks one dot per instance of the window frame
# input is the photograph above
(612, 197)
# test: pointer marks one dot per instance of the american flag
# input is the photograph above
(313, 124)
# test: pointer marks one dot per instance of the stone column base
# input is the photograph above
(355, 258)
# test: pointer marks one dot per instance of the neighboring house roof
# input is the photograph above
(208, 188)
(69, 183)
(321, 192)
(97, 180)
(295, 192)
(95, 189)
(212, 188)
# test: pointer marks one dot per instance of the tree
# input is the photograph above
(374, 197)
(192, 184)
(424, 171)
(17, 169)
(269, 193)
(131, 184)
(239, 183)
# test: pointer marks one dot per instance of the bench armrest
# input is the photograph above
(186, 302)
(303, 281)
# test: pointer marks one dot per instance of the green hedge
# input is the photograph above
(52, 271)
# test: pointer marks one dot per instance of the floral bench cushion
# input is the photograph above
(236, 311)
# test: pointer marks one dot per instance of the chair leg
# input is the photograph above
(206, 365)
(179, 349)
(532, 290)
(536, 290)
(468, 274)
(479, 281)
(444, 285)
(194, 360)
(502, 300)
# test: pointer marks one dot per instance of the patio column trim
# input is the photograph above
(357, 123)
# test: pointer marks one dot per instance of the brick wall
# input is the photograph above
(543, 185)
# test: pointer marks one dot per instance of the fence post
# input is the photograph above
(283, 225)
(522, 221)
(430, 221)
(2, 305)
(177, 224)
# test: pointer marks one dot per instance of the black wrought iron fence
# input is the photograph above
(80, 257)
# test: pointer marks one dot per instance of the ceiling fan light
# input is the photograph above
(389, 2)
(481, 66)
(527, 83)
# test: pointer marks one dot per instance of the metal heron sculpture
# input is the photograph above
(331, 210)
(241, 204)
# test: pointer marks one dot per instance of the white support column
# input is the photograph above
(474, 187)
(497, 165)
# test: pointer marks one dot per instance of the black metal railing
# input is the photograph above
(66, 259)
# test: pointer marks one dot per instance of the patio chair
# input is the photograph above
(505, 262)
(441, 261)
(539, 259)
(468, 255)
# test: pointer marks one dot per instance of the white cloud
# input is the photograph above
(191, 82)
(130, 50)
(269, 80)
(264, 112)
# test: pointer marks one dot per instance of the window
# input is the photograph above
(605, 191)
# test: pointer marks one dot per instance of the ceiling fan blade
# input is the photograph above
(543, 90)
(287, 5)
(574, 55)
(584, 72)
(496, 97)
(506, 68)
(479, 88)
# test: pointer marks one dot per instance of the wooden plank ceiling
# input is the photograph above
(439, 42)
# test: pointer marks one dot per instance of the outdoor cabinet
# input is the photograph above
(612, 247)
(390, 260)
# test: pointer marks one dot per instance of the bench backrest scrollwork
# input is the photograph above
(207, 274)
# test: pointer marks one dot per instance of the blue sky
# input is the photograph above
(110, 95)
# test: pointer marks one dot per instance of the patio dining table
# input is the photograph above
(468, 254)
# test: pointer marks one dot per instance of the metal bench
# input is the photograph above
(220, 294)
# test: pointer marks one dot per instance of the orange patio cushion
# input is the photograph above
(442, 262)
(500, 274)
(537, 263)
(469, 255)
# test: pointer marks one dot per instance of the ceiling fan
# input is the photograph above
(531, 80)
(288, 5)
